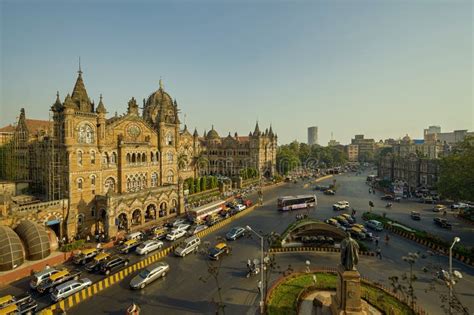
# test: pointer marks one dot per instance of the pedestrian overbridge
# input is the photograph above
(311, 231)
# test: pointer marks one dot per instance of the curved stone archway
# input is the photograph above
(122, 222)
(150, 212)
(311, 228)
(163, 209)
(136, 217)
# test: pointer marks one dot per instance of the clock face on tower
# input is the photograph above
(133, 131)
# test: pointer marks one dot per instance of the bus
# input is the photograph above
(296, 202)
(199, 214)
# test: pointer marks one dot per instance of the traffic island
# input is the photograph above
(287, 295)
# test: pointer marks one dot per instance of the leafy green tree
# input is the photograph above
(456, 176)
(203, 183)
(197, 185)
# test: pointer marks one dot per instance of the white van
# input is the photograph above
(188, 246)
(375, 225)
(69, 288)
(134, 236)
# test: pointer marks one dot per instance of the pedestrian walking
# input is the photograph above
(99, 246)
(377, 241)
(88, 238)
(259, 287)
(378, 252)
(387, 238)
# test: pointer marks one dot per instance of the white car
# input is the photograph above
(178, 222)
(196, 229)
(459, 205)
(239, 207)
(64, 290)
(175, 234)
(183, 227)
(341, 205)
(149, 246)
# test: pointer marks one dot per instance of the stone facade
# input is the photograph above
(121, 172)
(412, 170)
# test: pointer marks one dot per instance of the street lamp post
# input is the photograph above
(262, 302)
(451, 278)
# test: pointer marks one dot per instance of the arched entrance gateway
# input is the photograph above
(100, 226)
(136, 217)
(311, 232)
(150, 213)
(122, 222)
(163, 208)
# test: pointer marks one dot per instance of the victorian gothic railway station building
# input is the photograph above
(99, 174)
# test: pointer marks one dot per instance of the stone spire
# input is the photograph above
(270, 132)
(57, 104)
(132, 107)
(79, 94)
(195, 134)
(101, 108)
(256, 132)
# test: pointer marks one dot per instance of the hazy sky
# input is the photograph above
(381, 68)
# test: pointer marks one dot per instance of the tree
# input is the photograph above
(203, 183)
(456, 172)
(197, 185)
(190, 185)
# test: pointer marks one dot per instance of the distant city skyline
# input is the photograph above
(383, 69)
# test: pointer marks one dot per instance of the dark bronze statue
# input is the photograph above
(349, 253)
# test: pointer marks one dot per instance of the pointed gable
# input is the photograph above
(79, 95)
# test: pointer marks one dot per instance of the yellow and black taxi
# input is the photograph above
(20, 304)
(58, 278)
(158, 232)
(85, 255)
(129, 246)
(94, 264)
(217, 251)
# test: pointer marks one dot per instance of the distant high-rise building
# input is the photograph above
(312, 135)
(431, 130)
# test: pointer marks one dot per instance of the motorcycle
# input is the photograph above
(253, 268)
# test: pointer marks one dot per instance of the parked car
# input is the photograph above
(374, 225)
(197, 228)
(349, 218)
(235, 233)
(441, 222)
(329, 192)
(218, 250)
(85, 255)
(22, 304)
(240, 207)
(183, 226)
(69, 288)
(57, 279)
(112, 264)
(148, 246)
(175, 234)
(333, 222)
(188, 246)
(357, 233)
(94, 264)
(41, 276)
(427, 199)
(178, 222)
(213, 219)
(415, 215)
(135, 236)
(438, 208)
(158, 233)
(129, 246)
(387, 197)
(340, 205)
(149, 274)
(342, 221)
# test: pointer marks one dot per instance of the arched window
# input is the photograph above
(80, 219)
(79, 157)
(170, 177)
(129, 184)
(134, 158)
(169, 138)
(152, 157)
(105, 159)
(154, 180)
(157, 156)
(92, 157)
(85, 134)
(170, 157)
(143, 157)
(80, 183)
(128, 158)
(93, 180)
(113, 158)
(110, 184)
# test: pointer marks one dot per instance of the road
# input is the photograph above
(185, 290)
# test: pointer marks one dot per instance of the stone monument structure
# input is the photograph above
(347, 300)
